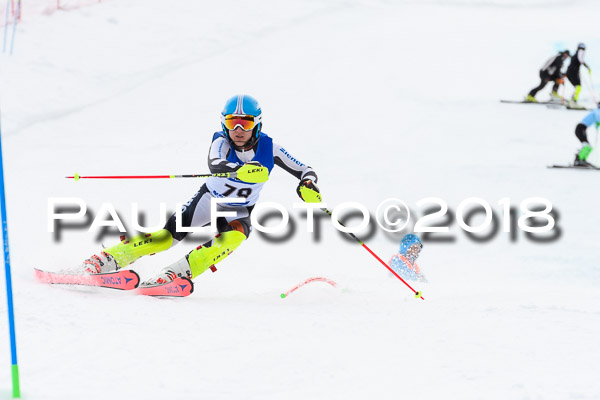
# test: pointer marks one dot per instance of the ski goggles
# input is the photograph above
(246, 122)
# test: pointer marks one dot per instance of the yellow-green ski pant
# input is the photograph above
(204, 257)
(145, 244)
(200, 259)
(577, 91)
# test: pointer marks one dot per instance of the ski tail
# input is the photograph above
(180, 287)
(123, 279)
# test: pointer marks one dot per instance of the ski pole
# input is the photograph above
(15, 20)
(418, 294)
(219, 175)
(591, 87)
(596, 139)
(5, 27)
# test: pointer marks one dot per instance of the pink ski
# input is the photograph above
(124, 279)
(180, 287)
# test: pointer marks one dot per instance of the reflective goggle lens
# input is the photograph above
(246, 122)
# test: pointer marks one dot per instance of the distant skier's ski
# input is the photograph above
(590, 168)
(180, 287)
(577, 108)
(124, 279)
(551, 104)
(555, 103)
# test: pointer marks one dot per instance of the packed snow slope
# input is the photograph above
(384, 99)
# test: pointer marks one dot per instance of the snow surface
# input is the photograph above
(384, 99)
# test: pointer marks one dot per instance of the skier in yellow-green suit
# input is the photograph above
(240, 147)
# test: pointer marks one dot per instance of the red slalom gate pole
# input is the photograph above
(418, 294)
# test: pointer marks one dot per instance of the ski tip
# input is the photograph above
(282, 295)
(39, 275)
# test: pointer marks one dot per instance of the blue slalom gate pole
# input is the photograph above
(11, 314)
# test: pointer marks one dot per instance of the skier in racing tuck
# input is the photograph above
(551, 71)
(241, 147)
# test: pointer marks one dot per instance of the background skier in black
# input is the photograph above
(551, 71)
(573, 70)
